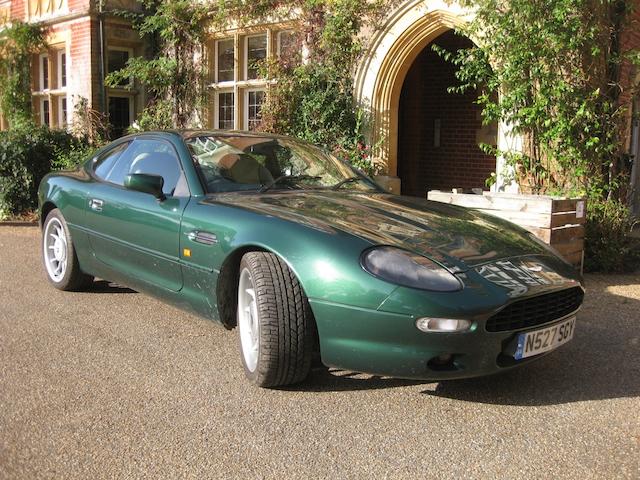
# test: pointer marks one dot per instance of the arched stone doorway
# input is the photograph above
(391, 53)
(438, 131)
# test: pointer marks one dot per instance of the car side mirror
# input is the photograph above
(145, 183)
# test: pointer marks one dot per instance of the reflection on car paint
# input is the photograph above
(518, 279)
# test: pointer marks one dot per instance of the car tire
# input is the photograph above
(59, 255)
(275, 323)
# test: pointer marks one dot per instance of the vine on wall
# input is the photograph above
(172, 73)
(551, 70)
(313, 99)
(18, 44)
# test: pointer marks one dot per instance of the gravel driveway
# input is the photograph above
(114, 384)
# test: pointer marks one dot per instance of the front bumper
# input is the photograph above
(389, 344)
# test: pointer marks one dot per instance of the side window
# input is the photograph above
(153, 157)
(105, 163)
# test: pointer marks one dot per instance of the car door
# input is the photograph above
(133, 232)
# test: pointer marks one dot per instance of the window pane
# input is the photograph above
(226, 56)
(117, 60)
(152, 157)
(256, 52)
(45, 113)
(106, 162)
(289, 46)
(45, 73)
(255, 101)
(226, 111)
(156, 158)
(63, 70)
(119, 115)
(231, 163)
(63, 111)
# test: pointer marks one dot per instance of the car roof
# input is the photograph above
(227, 133)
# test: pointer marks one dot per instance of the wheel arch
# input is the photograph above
(227, 286)
(47, 207)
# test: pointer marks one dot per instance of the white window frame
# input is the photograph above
(61, 122)
(116, 48)
(246, 104)
(41, 88)
(279, 40)
(216, 106)
(42, 100)
(59, 62)
(216, 55)
(246, 55)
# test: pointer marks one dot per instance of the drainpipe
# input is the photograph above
(103, 103)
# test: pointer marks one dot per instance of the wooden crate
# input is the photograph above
(558, 221)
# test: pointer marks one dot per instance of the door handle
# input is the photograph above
(206, 238)
(96, 205)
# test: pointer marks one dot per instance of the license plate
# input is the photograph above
(545, 339)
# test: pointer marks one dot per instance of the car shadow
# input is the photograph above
(104, 286)
(602, 361)
(324, 379)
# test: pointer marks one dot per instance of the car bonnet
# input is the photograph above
(456, 237)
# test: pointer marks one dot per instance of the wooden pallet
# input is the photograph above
(558, 221)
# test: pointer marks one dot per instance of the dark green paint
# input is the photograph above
(141, 182)
(364, 323)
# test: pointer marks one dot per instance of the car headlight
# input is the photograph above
(408, 269)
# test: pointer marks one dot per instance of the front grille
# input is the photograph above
(536, 310)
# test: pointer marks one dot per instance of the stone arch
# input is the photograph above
(394, 48)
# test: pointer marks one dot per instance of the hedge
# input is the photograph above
(26, 156)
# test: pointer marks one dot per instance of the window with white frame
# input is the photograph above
(225, 111)
(225, 60)
(254, 101)
(256, 52)
(43, 65)
(117, 58)
(62, 69)
(45, 112)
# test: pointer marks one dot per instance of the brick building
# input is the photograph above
(428, 137)
(83, 45)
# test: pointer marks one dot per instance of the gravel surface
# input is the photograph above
(114, 384)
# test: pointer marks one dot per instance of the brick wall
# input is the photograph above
(18, 9)
(84, 61)
(457, 162)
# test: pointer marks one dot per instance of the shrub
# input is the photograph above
(26, 156)
(608, 245)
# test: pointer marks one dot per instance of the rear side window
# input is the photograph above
(106, 162)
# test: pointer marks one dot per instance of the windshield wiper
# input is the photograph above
(345, 181)
(264, 188)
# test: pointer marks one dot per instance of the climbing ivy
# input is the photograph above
(551, 70)
(18, 44)
(313, 99)
(172, 74)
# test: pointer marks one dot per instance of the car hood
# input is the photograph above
(457, 237)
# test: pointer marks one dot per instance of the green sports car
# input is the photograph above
(307, 257)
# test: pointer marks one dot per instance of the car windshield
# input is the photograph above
(229, 163)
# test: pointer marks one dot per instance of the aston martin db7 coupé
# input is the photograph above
(307, 257)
